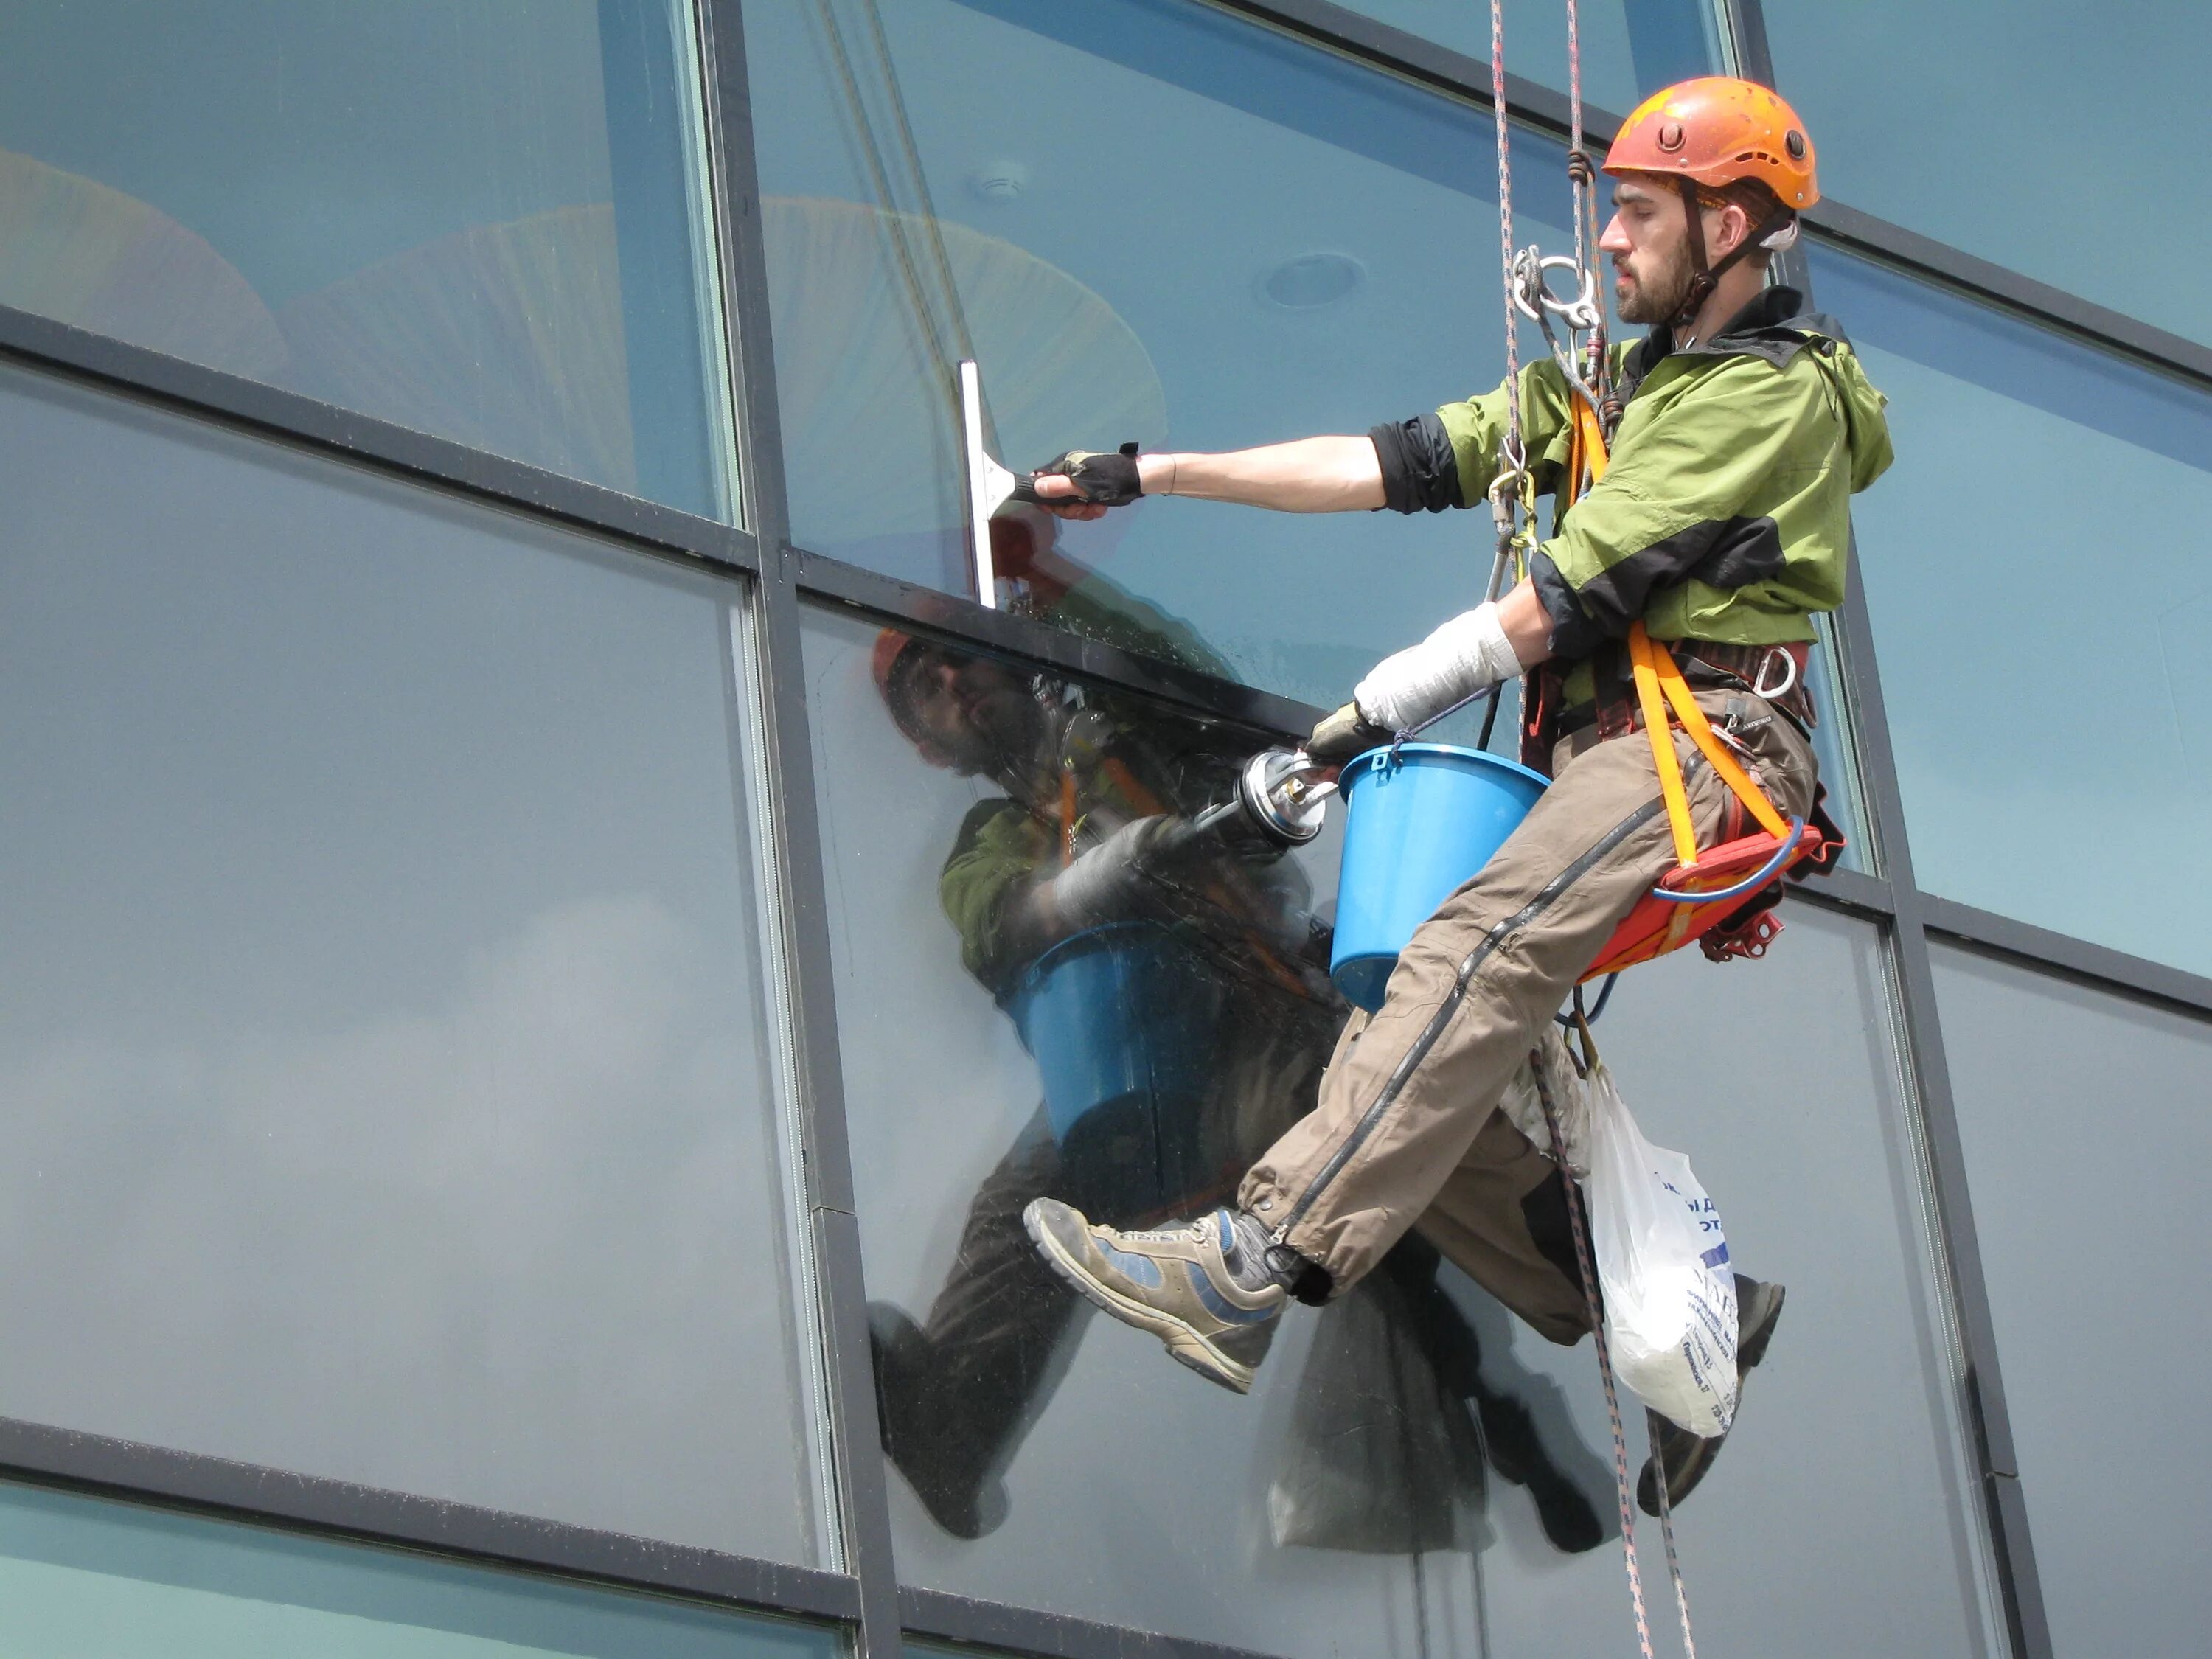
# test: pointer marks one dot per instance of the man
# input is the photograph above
(1722, 525)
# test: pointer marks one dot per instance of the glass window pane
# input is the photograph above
(1847, 1466)
(1629, 47)
(1163, 223)
(382, 1076)
(1953, 137)
(2078, 1108)
(81, 1575)
(1060, 1462)
(483, 219)
(2033, 568)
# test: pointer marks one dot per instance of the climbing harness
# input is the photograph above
(1726, 890)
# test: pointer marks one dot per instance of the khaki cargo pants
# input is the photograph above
(1408, 1133)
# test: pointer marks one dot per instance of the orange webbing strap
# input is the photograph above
(1715, 751)
(1585, 446)
(1649, 697)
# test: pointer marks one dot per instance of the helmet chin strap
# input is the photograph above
(1704, 278)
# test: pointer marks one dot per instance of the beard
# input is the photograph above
(1659, 299)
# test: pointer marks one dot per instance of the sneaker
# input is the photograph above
(1686, 1457)
(1172, 1282)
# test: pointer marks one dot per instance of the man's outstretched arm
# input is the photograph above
(1308, 475)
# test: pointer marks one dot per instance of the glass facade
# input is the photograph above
(488, 1003)
(1023, 1436)
(1983, 85)
(2111, 1447)
(387, 1087)
(1290, 249)
(1981, 552)
(484, 219)
(84, 1577)
(1629, 47)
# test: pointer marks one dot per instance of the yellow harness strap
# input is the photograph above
(1658, 675)
(1585, 448)
(1649, 698)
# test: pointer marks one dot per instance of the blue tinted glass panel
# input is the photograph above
(384, 1092)
(1160, 222)
(2034, 567)
(483, 219)
(2082, 1117)
(1629, 47)
(2004, 127)
(1414, 1474)
(81, 1576)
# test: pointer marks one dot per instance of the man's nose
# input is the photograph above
(1615, 240)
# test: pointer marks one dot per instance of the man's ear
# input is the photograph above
(1732, 215)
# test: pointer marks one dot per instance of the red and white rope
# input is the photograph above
(1511, 456)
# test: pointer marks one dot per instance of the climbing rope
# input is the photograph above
(1511, 457)
(1587, 1264)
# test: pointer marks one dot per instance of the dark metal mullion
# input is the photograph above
(1922, 256)
(1906, 942)
(1416, 57)
(346, 434)
(1989, 1419)
(1052, 648)
(2134, 979)
(125, 1469)
(946, 1618)
(864, 1513)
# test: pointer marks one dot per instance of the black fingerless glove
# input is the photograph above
(1104, 478)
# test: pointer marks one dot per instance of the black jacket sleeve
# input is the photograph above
(1419, 471)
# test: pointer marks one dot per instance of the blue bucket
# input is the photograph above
(1120, 1014)
(1416, 829)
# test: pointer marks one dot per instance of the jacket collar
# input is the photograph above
(1774, 326)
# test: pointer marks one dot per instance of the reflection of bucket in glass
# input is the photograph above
(1123, 1013)
(1417, 828)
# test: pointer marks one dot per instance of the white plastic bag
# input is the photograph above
(1664, 1261)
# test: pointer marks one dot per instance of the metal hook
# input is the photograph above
(1532, 289)
(1759, 686)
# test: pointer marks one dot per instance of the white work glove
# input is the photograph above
(1107, 881)
(1468, 654)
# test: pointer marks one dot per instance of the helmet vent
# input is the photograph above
(1670, 135)
(1794, 144)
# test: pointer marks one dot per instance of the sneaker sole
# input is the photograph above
(1753, 1347)
(1185, 1345)
(1751, 1351)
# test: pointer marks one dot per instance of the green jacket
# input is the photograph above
(1725, 514)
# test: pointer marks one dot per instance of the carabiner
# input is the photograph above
(1758, 685)
(1532, 289)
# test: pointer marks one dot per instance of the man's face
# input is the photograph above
(976, 711)
(1649, 242)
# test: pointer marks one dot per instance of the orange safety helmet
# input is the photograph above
(1715, 131)
(891, 646)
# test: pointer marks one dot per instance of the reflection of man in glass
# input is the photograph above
(1720, 525)
(1173, 993)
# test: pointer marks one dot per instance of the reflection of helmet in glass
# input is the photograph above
(962, 710)
(895, 664)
